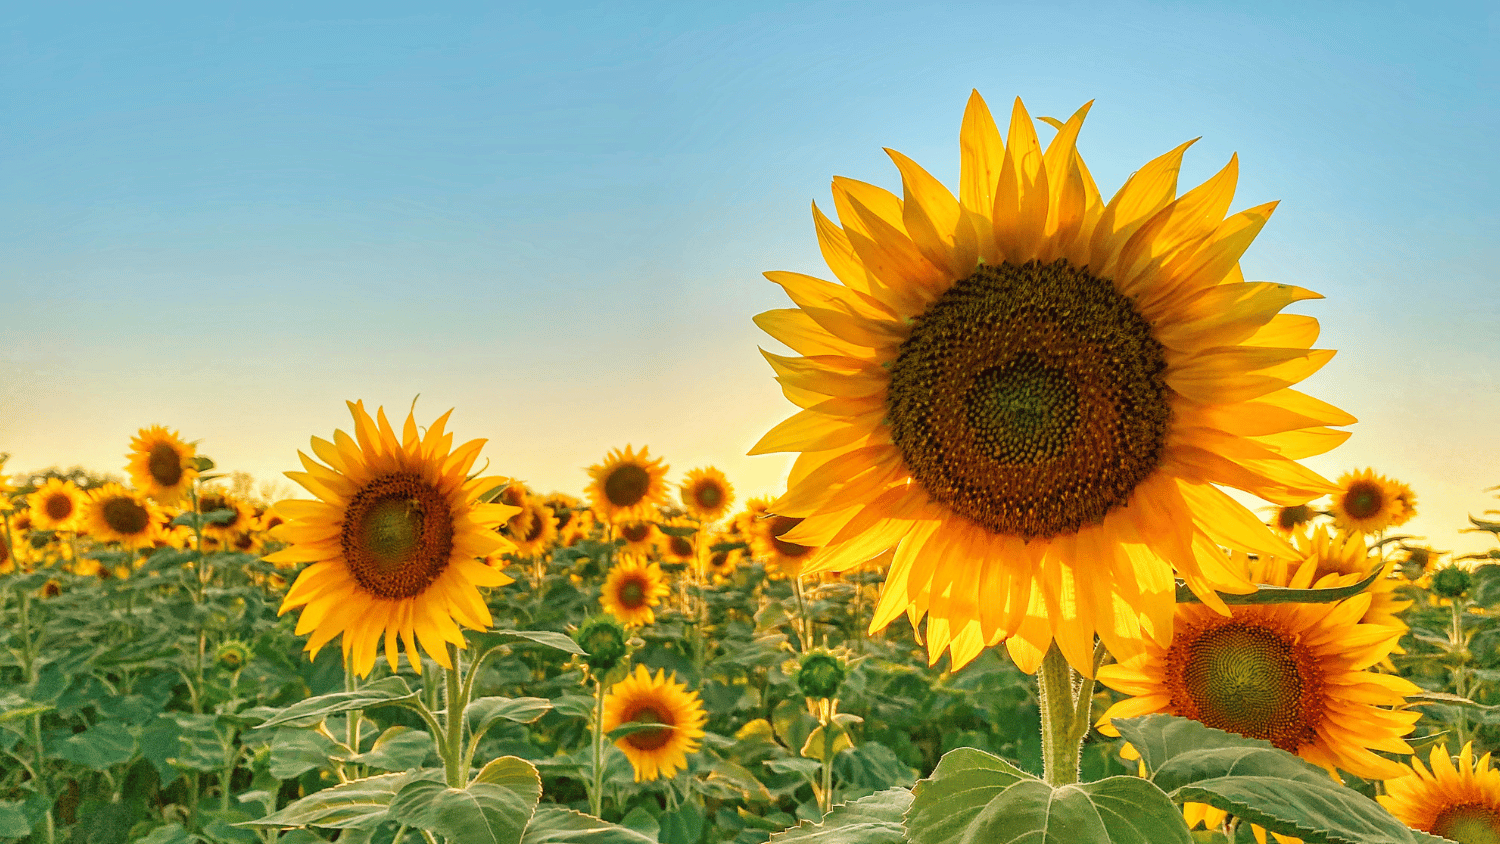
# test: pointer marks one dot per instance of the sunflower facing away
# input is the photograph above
(56, 505)
(1343, 559)
(394, 541)
(1461, 803)
(1031, 394)
(641, 698)
(768, 544)
(116, 514)
(1368, 502)
(706, 494)
(161, 465)
(632, 588)
(627, 485)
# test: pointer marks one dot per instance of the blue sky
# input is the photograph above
(554, 219)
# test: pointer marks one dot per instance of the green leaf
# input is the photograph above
(13, 707)
(1284, 595)
(13, 823)
(172, 833)
(683, 825)
(1118, 810)
(813, 747)
(295, 752)
(359, 803)
(544, 637)
(554, 825)
(397, 749)
(387, 690)
(98, 748)
(513, 773)
(487, 811)
(875, 819)
(484, 712)
(1257, 782)
(964, 782)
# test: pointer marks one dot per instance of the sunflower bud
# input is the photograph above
(604, 639)
(820, 675)
(232, 655)
(1415, 564)
(1451, 582)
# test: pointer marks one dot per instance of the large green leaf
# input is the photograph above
(13, 823)
(555, 825)
(295, 752)
(484, 712)
(494, 808)
(99, 748)
(397, 749)
(1118, 810)
(875, 819)
(308, 712)
(1255, 781)
(964, 782)
(560, 641)
(358, 803)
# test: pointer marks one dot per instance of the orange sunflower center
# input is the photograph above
(635, 531)
(1468, 823)
(1364, 499)
(126, 516)
(780, 525)
(627, 485)
(1030, 399)
(708, 495)
(633, 593)
(164, 464)
(397, 535)
(1246, 678)
(58, 507)
(649, 739)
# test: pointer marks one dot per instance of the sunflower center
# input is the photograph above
(1468, 823)
(627, 485)
(126, 516)
(1246, 678)
(633, 594)
(1030, 399)
(709, 496)
(164, 464)
(537, 528)
(1289, 517)
(635, 531)
(1363, 499)
(650, 739)
(680, 546)
(58, 507)
(780, 525)
(397, 535)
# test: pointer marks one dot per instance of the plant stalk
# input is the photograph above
(453, 750)
(1060, 737)
(596, 794)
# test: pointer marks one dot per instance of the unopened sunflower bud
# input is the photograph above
(604, 639)
(820, 675)
(1451, 581)
(232, 655)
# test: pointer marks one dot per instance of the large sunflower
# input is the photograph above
(1461, 803)
(56, 505)
(394, 541)
(161, 465)
(116, 514)
(641, 698)
(1367, 502)
(1031, 395)
(632, 588)
(706, 494)
(627, 485)
(1291, 674)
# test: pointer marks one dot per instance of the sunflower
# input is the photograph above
(639, 538)
(1344, 558)
(632, 589)
(781, 557)
(573, 524)
(1031, 394)
(643, 699)
(707, 494)
(394, 541)
(539, 531)
(674, 548)
(719, 564)
(161, 465)
(241, 517)
(116, 514)
(56, 505)
(1408, 499)
(1461, 803)
(1291, 674)
(1366, 502)
(627, 485)
(1289, 518)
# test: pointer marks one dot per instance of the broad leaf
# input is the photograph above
(964, 782)
(554, 825)
(559, 641)
(306, 713)
(359, 803)
(481, 813)
(99, 748)
(397, 749)
(875, 819)
(295, 752)
(483, 712)
(1118, 810)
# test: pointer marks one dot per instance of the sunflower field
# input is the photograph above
(1003, 597)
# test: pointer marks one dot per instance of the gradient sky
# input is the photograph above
(555, 219)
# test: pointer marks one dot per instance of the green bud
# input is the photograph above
(1451, 581)
(232, 655)
(1415, 564)
(821, 674)
(604, 639)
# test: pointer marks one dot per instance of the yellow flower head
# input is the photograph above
(161, 465)
(1368, 502)
(394, 541)
(719, 564)
(627, 485)
(674, 548)
(533, 530)
(1032, 395)
(639, 539)
(240, 519)
(56, 505)
(116, 514)
(632, 588)
(707, 494)
(1461, 803)
(769, 545)
(642, 698)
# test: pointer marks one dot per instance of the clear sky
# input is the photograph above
(553, 218)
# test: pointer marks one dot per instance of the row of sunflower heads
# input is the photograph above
(52, 521)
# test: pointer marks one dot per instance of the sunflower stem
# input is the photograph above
(596, 794)
(804, 624)
(454, 723)
(1060, 740)
(1460, 679)
(351, 684)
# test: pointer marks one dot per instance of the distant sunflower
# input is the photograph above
(56, 505)
(1289, 518)
(241, 514)
(644, 699)
(639, 537)
(1408, 499)
(719, 564)
(632, 589)
(394, 541)
(116, 514)
(1290, 674)
(161, 465)
(573, 524)
(627, 485)
(781, 557)
(1366, 502)
(707, 494)
(674, 548)
(1460, 803)
(1032, 395)
(539, 532)
(1343, 559)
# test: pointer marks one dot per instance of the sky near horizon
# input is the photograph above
(553, 219)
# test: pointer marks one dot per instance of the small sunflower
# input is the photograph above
(639, 538)
(394, 541)
(1033, 395)
(1291, 674)
(241, 518)
(674, 548)
(1366, 502)
(644, 699)
(538, 531)
(1460, 803)
(161, 465)
(632, 589)
(116, 514)
(56, 505)
(573, 524)
(1344, 558)
(707, 494)
(627, 485)
(721, 564)
(1408, 499)
(1291, 517)
(781, 557)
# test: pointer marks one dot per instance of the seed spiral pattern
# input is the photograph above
(397, 535)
